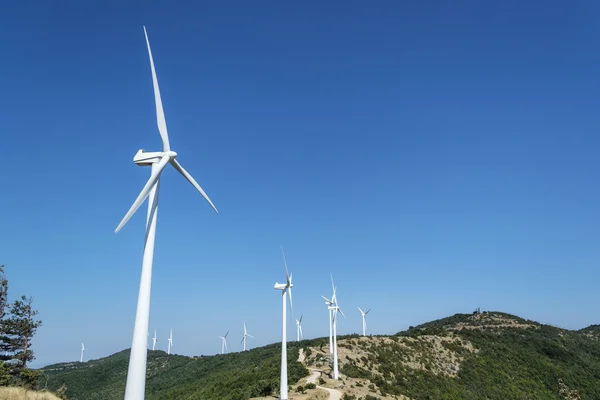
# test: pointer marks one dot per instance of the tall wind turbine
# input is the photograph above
(364, 320)
(136, 374)
(82, 350)
(335, 309)
(284, 287)
(246, 335)
(224, 342)
(154, 340)
(299, 328)
(170, 342)
(329, 304)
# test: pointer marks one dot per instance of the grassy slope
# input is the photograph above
(229, 376)
(14, 393)
(496, 355)
(519, 360)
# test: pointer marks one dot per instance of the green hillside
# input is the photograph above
(231, 376)
(491, 356)
(484, 356)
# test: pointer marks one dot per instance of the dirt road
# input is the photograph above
(333, 393)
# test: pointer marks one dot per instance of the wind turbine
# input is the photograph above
(136, 374)
(335, 308)
(299, 328)
(329, 304)
(364, 320)
(82, 350)
(224, 342)
(246, 335)
(170, 342)
(154, 340)
(284, 287)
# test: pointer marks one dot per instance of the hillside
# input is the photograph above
(230, 376)
(466, 356)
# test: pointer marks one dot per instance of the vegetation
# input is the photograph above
(17, 328)
(494, 356)
(233, 376)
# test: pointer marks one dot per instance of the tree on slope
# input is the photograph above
(18, 330)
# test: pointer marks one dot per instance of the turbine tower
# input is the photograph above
(224, 342)
(246, 335)
(154, 340)
(364, 320)
(299, 328)
(136, 374)
(170, 342)
(284, 287)
(82, 350)
(329, 304)
(335, 309)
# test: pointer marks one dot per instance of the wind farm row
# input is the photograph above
(245, 335)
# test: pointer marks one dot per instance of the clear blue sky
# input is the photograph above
(434, 156)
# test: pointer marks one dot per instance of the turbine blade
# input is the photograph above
(287, 274)
(145, 192)
(367, 311)
(301, 335)
(301, 319)
(242, 340)
(326, 299)
(361, 311)
(289, 290)
(249, 335)
(341, 312)
(191, 180)
(226, 334)
(160, 114)
(332, 285)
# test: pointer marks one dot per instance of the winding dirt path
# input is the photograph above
(333, 393)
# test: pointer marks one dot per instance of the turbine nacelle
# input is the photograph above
(146, 158)
(282, 286)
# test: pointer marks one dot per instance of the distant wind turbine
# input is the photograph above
(299, 328)
(246, 335)
(136, 373)
(154, 340)
(82, 350)
(364, 320)
(284, 287)
(224, 342)
(170, 342)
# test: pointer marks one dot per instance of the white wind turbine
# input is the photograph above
(154, 340)
(170, 342)
(136, 374)
(82, 350)
(329, 304)
(364, 320)
(284, 287)
(299, 329)
(246, 335)
(224, 342)
(334, 310)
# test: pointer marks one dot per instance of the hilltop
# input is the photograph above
(488, 355)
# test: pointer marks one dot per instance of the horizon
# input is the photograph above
(433, 157)
(326, 338)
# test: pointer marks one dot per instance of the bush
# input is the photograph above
(310, 386)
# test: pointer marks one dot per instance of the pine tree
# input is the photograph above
(18, 330)
(3, 292)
